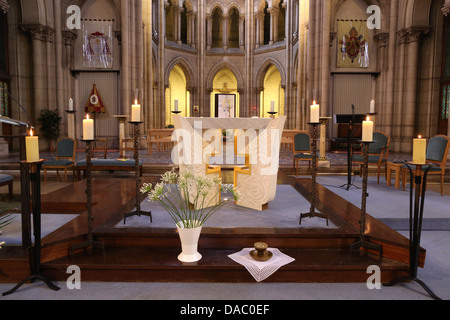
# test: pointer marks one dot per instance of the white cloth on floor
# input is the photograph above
(261, 270)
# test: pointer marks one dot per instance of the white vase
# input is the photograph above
(189, 243)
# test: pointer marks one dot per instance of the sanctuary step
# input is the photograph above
(161, 265)
(150, 254)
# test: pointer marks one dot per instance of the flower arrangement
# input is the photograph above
(188, 198)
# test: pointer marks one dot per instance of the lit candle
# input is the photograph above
(420, 151)
(32, 147)
(176, 105)
(136, 112)
(272, 106)
(70, 104)
(367, 134)
(372, 106)
(88, 128)
(315, 113)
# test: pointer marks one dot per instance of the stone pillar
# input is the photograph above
(177, 25)
(325, 56)
(209, 20)
(410, 100)
(39, 35)
(241, 32)
(225, 31)
(257, 30)
(125, 65)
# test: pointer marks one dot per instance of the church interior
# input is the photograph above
(326, 120)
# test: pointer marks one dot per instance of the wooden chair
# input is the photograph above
(437, 152)
(378, 153)
(302, 150)
(126, 144)
(162, 138)
(65, 158)
(100, 146)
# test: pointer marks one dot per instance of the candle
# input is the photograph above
(372, 106)
(420, 151)
(70, 104)
(176, 105)
(32, 147)
(315, 113)
(367, 134)
(88, 128)
(272, 106)
(136, 112)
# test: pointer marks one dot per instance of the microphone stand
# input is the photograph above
(350, 153)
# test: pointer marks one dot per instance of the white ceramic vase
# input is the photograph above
(189, 243)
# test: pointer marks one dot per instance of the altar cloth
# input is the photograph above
(258, 269)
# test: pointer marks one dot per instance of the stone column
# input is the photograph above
(325, 65)
(209, 20)
(241, 32)
(39, 35)
(413, 36)
(257, 30)
(225, 31)
(177, 25)
(125, 64)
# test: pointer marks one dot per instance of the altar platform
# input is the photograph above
(149, 253)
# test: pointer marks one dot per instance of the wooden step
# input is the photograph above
(162, 265)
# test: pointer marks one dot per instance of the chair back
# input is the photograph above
(302, 142)
(381, 143)
(65, 148)
(437, 149)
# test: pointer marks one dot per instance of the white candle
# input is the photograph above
(372, 106)
(32, 147)
(272, 106)
(315, 113)
(88, 128)
(70, 104)
(367, 134)
(176, 105)
(136, 112)
(420, 151)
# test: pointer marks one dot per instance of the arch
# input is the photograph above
(185, 66)
(418, 13)
(212, 74)
(178, 96)
(265, 66)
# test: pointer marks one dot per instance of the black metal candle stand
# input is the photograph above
(416, 207)
(174, 112)
(312, 212)
(90, 243)
(362, 242)
(138, 211)
(32, 170)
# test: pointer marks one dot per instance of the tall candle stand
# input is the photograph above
(138, 211)
(272, 114)
(362, 242)
(32, 171)
(90, 243)
(176, 112)
(415, 224)
(312, 212)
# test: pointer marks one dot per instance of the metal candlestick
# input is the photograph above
(362, 243)
(32, 174)
(138, 211)
(272, 114)
(312, 213)
(415, 225)
(89, 243)
(176, 112)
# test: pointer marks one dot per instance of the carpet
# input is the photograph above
(283, 212)
(12, 233)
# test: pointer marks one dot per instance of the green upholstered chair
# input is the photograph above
(302, 150)
(437, 153)
(378, 153)
(65, 158)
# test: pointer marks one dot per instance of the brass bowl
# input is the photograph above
(260, 253)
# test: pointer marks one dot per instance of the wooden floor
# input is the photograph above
(150, 254)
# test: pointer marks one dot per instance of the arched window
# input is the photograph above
(170, 31)
(266, 25)
(184, 25)
(281, 21)
(233, 41)
(217, 28)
